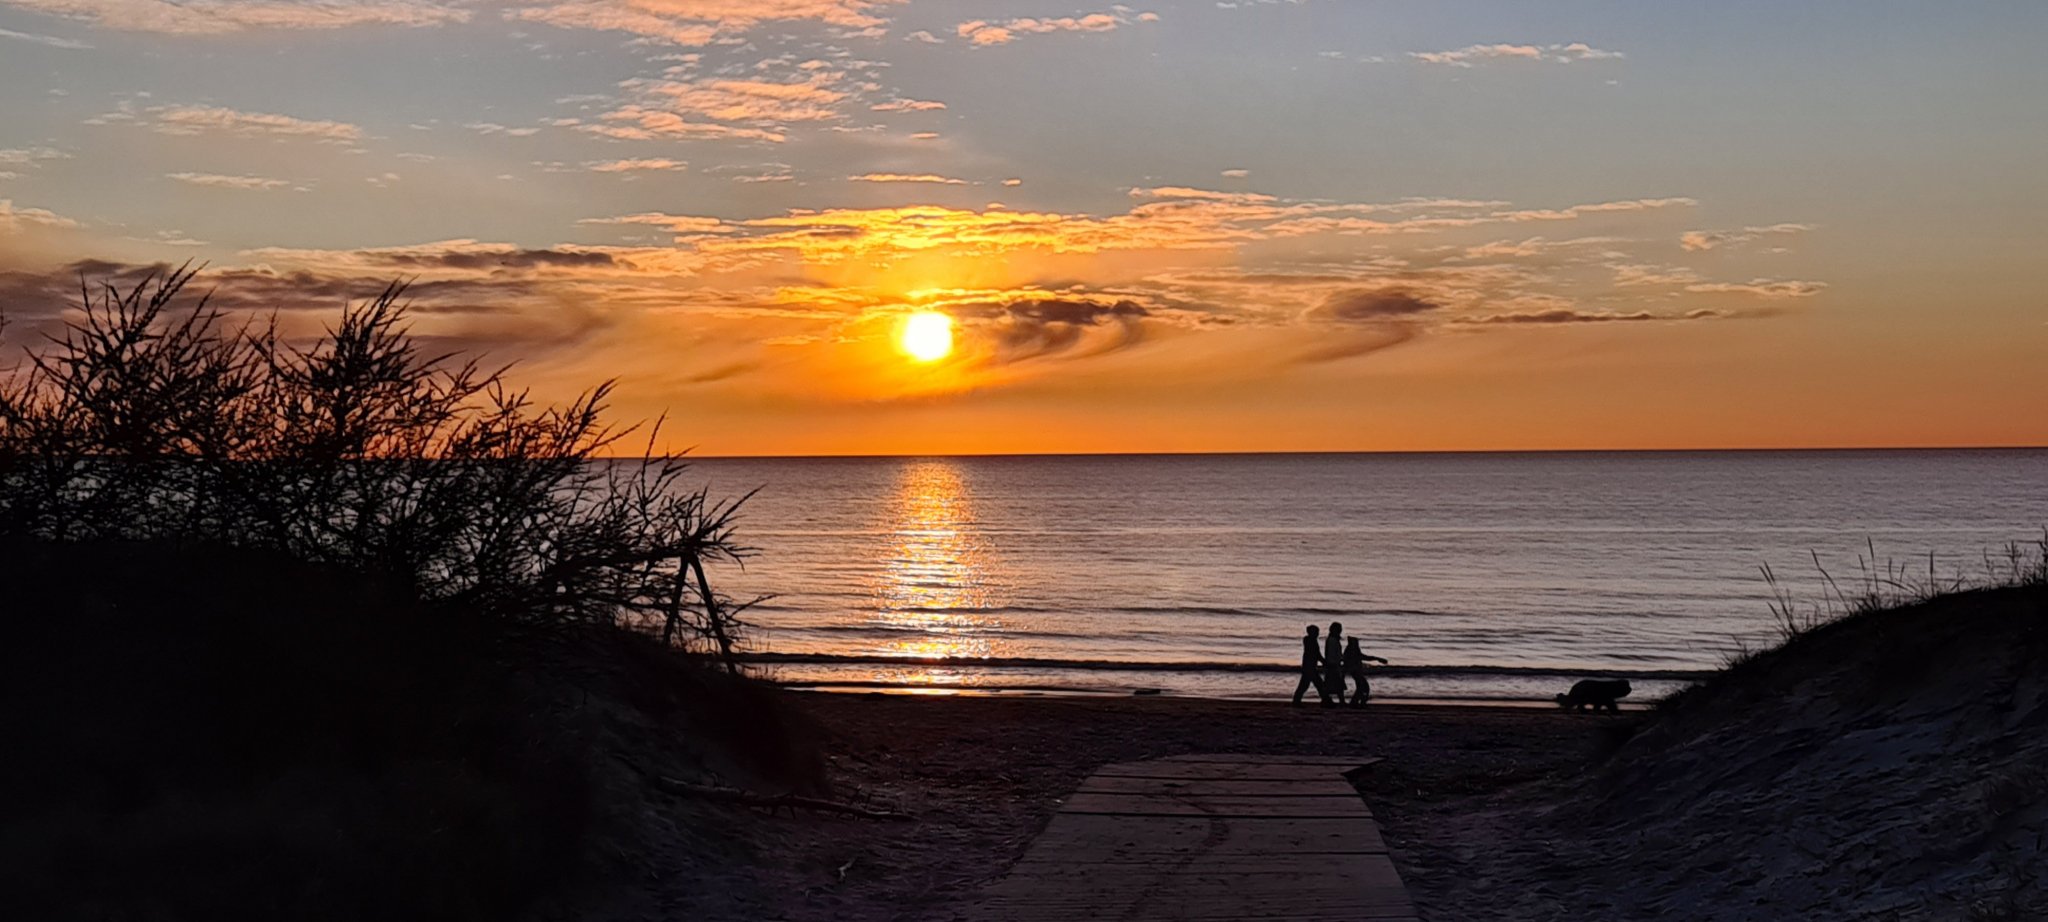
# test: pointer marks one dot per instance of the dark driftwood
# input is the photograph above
(772, 801)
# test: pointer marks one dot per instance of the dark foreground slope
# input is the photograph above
(196, 733)
(1890, 765)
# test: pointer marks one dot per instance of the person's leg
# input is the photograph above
(1363, 694)
(1301, 687)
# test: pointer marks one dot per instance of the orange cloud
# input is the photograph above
(13, 219)
(698, 22)
(1696, 241)
(192, 120)
(628, 166)
(1761, 288)
(981, 32)
(1183, 192)
(723, 107)
(908, 177)
(731, 100)
(801, 304)
(639, 123)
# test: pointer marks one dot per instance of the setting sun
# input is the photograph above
(926, 336)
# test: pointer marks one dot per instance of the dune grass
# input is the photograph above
(1878, 588)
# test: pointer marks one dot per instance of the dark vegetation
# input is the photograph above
(359, 450)
(1865, 612)
(1885, 761)
(335, 628)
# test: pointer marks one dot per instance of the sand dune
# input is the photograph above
(1892, 765)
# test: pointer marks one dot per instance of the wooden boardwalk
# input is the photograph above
(1208, 837)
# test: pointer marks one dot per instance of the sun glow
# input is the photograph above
(926, 336)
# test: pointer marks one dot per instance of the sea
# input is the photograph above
(1479, 577)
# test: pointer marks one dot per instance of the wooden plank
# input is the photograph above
(1146, 896)
(1105, 784)
(1116, 884)
(1218, 905)
(1209, 838)
(1367, 868)
(1104, 836)
(1240, 771)
(1179, 804)
(1182, 913)
(1341, 763)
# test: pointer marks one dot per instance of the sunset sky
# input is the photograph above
(1240, 226)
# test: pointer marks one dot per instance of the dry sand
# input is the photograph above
(982, 775)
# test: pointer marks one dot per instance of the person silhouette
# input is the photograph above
(1311, 668)
(1354, 666)
(1333, 665)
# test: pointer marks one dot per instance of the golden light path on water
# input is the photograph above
(939, 583)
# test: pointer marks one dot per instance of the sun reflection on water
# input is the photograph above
(938, 587)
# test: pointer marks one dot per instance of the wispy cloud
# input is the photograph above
(173, 238)
(908, 105)
(635, 122)
(1629, 275)
(1184, 192)
(756, 172)
(724, 108)
(508, 131)
(629, 166)
(29, 156)
(13, 218)
(217, 17)
(1696, 241)
(675, 223)
(192, 120)
(982, 32)
(725, 99)
(222, 181)
(701, 22)
(1761, 288)
(1472, 55)
(908, 177)
(50, 40)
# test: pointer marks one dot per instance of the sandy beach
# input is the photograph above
(982, 775)
(1886, 766)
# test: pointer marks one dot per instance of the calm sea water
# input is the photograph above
(945, 572)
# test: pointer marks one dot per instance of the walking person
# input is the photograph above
(1333, 665)
(1354, 666)
(1311, 668)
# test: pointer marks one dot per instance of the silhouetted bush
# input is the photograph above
(339, 629)
(154, 419)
